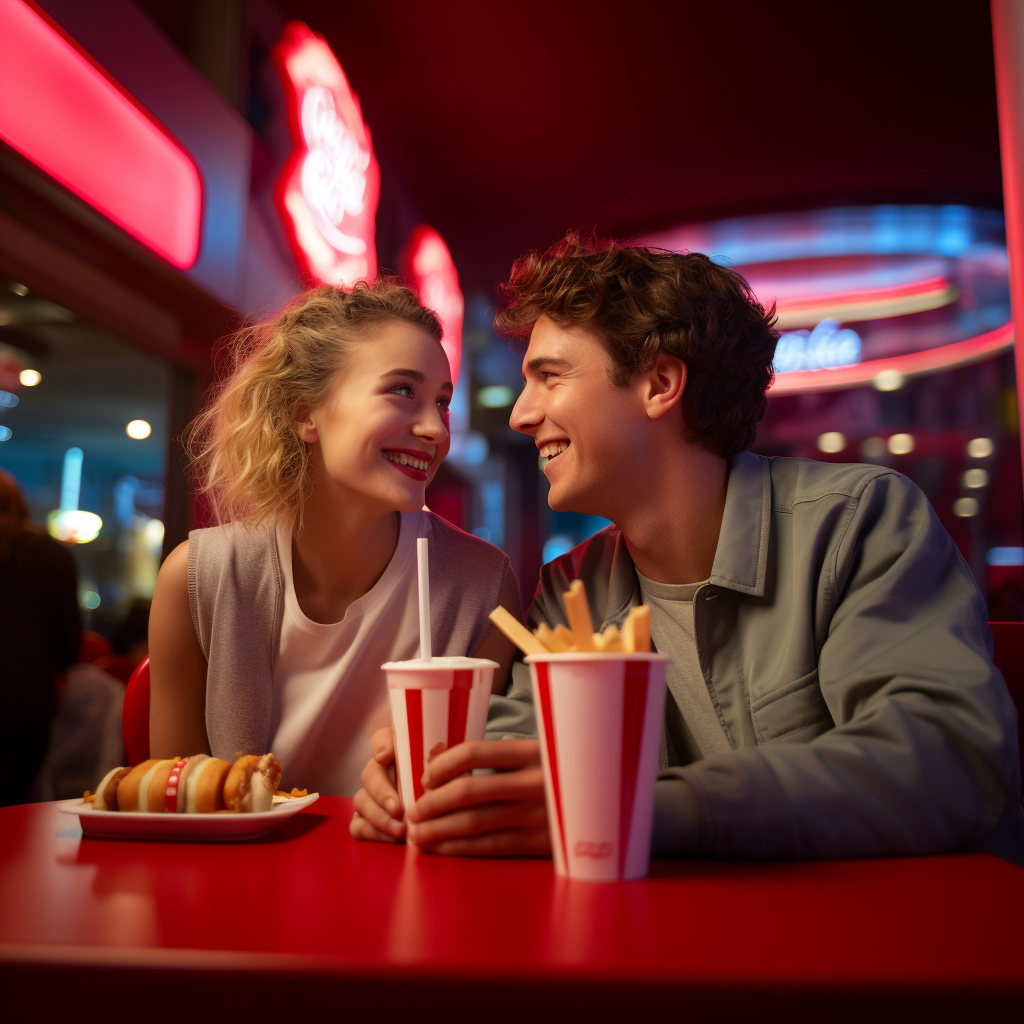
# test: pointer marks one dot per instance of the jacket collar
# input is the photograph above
(742, 552)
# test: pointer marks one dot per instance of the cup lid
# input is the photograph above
(438, 664)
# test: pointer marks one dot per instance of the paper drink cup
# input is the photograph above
(434, 705)
(599, 717)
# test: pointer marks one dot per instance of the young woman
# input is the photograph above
(268, 631)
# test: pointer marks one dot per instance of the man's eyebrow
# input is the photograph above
(416, 377)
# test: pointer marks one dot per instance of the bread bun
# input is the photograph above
(106, 791)
(251, 784)
(205, 790)
(191, 765)
(128, 787)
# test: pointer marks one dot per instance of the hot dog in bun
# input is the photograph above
(195, 785)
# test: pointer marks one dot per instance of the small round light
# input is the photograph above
(91, 599)
(872, 447)
(30, 378)
(975, 478)
(497, 396)
(889, 380)
(5, 433)
(73, 526)
(19, 289)
(138, 429)
(831, 441)
(980, 447)
(901, 444)
(966, 507)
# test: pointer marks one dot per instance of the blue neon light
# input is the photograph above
(826, 346)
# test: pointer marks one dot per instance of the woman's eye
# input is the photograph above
(403, 389)
(444, 404)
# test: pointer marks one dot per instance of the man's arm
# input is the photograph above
(923, 757)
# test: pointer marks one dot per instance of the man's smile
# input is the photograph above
(552, 449)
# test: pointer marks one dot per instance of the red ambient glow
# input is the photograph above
(912, 364)
(427, 266)
(327, 194)
(62, 111)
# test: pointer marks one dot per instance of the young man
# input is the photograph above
(831, 689)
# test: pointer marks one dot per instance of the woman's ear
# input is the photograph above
(664, 385)
(304, 425)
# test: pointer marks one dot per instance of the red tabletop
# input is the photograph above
(309, 912)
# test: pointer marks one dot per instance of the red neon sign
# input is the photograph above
(427, 266)
(327, 194)
(63, 112)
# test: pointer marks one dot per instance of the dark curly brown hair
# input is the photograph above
(640, 302)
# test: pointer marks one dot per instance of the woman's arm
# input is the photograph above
(497, 646)
(177, 667)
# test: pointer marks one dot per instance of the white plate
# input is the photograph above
(202, 827)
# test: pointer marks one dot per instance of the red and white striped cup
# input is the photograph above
(599, 717)
(434, 705)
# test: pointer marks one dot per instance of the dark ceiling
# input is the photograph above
(504, 124)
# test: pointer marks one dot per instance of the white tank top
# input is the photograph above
(330, 694)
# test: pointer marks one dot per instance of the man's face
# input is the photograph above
(591, 430)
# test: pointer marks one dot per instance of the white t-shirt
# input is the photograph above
(330, 694)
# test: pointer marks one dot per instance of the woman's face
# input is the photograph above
(379, 438)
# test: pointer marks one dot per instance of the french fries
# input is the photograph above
(634, 637)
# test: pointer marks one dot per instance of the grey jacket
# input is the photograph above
(236, 593)
(845, 649)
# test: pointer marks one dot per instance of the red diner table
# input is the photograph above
(308, 922)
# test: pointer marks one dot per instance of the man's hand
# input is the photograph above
(378, 807)
(499, 815)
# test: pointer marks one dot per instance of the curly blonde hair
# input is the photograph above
(248, 460)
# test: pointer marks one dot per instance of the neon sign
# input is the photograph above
(904, 367)
(327, 194)
(62, 111)
(428, 267)
(828, 345)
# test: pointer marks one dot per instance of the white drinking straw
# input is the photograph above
(423, 576)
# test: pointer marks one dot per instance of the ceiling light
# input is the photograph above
(497, 396)
(888, 380)
(30, 378)
(138, 429)
(966, 507)
(975, 478)
(901, 444)
(831, 441)
(980, 447)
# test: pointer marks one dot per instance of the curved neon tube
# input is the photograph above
(913, 364)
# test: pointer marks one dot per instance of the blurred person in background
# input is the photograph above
(40, 634)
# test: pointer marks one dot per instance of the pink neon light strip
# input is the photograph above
(863, 296)
(63, 112)
(913, 364)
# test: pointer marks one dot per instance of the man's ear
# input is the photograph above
(304, 425)
(664, 385)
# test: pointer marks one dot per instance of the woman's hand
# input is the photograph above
(378, 807)
(498, 815)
